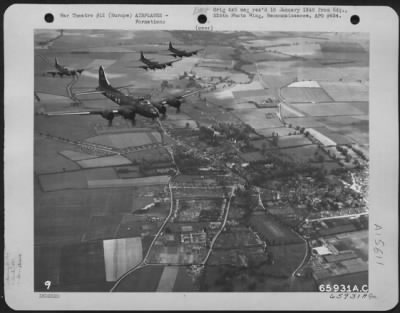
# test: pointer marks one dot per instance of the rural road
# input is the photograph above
(221, 229)
(143, 263)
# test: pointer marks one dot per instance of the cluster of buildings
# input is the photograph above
(329, 264)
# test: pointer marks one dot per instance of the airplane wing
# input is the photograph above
(145, 67)
(169, 63)
(195, 91)
(89, 92)
(95, 112)
(126, 86)
(95, 91)
(54, 73)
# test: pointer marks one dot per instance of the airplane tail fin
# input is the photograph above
(55, 61)
(141, 55)
(170, 45)
(103, 81)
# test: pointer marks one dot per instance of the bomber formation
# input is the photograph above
(222, 161)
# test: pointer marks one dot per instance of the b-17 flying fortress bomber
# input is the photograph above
(129, 106)
(240, 163)
(62, 70)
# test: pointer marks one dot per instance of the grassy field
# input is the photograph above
(355, 128)
(183, 282)
(125, 140)
(335, 136)
(82, 263)
(167, 279)
(286, 258)
(332, 108)
(144, 279)
(47, 159)
(60, 181)
(113, 160)
(60, 216)
(304, 154)
(293, 140)
(73, 127)
(271, 276)
(346, 91)
(76, 155)
(120, 255)
(151, 155)
(281, 131)
(129, 182)
(305, 94)
(236, 238)
(257, 118)
(102, 227)
(273, 231)
(100, 173)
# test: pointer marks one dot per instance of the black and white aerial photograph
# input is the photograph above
(197, 161)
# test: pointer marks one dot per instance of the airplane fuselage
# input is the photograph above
(181, 53)
(130, 104)
(151, 64)
(63, 70)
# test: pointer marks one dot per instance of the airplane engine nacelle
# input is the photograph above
(128, 114)
(108, 115)
(175, 102)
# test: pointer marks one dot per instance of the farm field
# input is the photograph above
(125, 140)
(113, 160)
(144, 279)
(60, 181)
(305, 94)
(335, 136)
(353, 127)
(159, 154)
(74, 127)
(281, 131)
(82, 263)
(258, 119)
(77, 155)
(183, 282)
(47, 159)
(167, 279)
(305, 153)
(134, 226)
(120, 255)
(293, 140)
(101, 227)
(273, 231)
(129, 182)
(286, 259)
(331, 108)
(350, 73)
(346, 91)
(100, 173)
